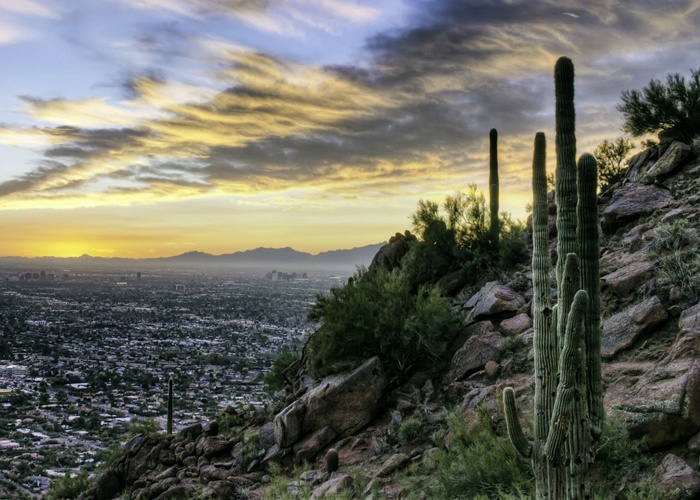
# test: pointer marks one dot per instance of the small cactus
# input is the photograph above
(331, 460)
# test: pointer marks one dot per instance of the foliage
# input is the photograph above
(622, 462)
(682, 269)
(376, 314)
(142, 426)
(478, 464)
(672, 108)
(409, 430)
(611, 156)
(513, 244)
(274, 379)
(457, 237)
(680, 263)
(68, 487)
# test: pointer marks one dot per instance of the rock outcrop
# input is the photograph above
(338, 406)
(632, 201)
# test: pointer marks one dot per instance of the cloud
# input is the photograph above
(411, 120)
(27, 8)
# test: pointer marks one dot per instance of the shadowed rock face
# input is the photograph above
(341, 403)
(390, 255)
(622, 330)
(632, 201)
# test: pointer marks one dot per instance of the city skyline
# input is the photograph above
(139, 129)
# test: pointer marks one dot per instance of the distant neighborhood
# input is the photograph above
(85, 356)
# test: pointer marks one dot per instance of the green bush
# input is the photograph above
(457, 238)
(409, 430)
(274, 379)
(68, 487)
(377, 314)
(622, 462)
(671, 109)
(478, 464)
(611, 156)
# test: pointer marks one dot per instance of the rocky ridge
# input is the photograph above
(651, 349)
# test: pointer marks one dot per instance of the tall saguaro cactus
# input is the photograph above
(494, 228)
(170, 406)
(568, 390)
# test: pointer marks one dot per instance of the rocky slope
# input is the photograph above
(650, 262)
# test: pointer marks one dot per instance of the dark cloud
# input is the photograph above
(427, 95)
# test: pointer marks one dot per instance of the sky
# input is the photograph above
(147, 128)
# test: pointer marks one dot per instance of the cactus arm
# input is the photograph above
(494, 228)
(566, 161)
(515, 431)
(570, 363)
(589, 255)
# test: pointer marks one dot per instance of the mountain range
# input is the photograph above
(284, 259)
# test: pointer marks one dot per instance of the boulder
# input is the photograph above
(390, 255)
(343, 403)
(515, 325)
(627, 279)
(450, 284)
(143, 461)
(632, 201)
(690, 318)
(109, 485)
(336, 485)
(612, 261)
(288, 424)
(393, 463)
(307, 448)
(494, 299)
(474, 354)
(623, 329)
(211, 446)
(674, 157)
(662, 404)
(675, 477)
(640, 163)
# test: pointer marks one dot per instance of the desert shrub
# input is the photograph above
(622, 462)
(671, 235)
(512, 344)
(68, 487)
(377, 314)
(142, 426)
(682, 269)
(456, 237)
(513, 244)
(274, 379)
(670, 108)
(478, 464)
(409, 430)
(611, 158)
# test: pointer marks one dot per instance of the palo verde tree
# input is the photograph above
(611, 156)
(672, 109)
(568, 389)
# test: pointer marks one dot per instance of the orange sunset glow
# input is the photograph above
(144, 129)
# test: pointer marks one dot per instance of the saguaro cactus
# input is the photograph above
(568, 390)
(170, 406)
(494, 228)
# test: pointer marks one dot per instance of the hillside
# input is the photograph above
(410, 441)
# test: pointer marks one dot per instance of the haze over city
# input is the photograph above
(150, 128)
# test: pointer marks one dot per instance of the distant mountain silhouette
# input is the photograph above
(261, 258)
